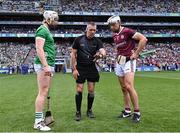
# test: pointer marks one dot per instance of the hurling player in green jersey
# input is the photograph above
(44, 65)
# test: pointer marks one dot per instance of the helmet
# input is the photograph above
(51, 15)
(114, 19)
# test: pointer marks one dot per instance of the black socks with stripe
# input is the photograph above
(78, 99)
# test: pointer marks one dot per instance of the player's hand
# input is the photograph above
(75, 74)
(97, 56)
(47, 71)
(134, 55)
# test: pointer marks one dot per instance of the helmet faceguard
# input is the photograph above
(114, 23)
(113, 20)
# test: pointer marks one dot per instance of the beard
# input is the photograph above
(52, 27)
(116, 31)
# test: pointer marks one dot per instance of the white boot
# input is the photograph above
(41, 126)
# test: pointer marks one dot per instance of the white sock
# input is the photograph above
(128, 111)
(138, 113)
(38, 117)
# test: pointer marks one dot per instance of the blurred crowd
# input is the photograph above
(81, 31)
(124, 6)
(13, 54)
(17, 5)
(165, 56)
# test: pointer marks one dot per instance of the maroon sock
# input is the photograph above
(136, 110)
(128, 109)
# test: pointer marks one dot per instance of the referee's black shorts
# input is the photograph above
(87, 72)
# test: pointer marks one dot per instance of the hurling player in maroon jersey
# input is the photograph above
(127, 53)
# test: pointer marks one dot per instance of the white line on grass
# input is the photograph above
(152, 76)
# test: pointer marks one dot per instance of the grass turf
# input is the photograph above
(159, 94)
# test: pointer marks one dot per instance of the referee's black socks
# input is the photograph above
(90, 99)
(78, 98)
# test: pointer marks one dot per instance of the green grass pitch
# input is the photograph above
(159, 95)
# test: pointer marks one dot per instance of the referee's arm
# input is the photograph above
(74, 63)
(101, 52)
(74, 58)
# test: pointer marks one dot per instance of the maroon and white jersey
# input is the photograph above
(124, 42)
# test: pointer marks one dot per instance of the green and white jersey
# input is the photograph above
(49, 46)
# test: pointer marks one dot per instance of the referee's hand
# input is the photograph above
(97, 56)
(75, 74)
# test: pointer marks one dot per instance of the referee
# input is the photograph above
(86, 50)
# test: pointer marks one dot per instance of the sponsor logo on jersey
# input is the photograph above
(122, 36)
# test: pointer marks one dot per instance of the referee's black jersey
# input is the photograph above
(86, 49)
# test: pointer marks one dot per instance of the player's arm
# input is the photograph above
(142, 43)
(40, 52)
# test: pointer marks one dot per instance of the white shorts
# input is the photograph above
(38, 68)
(121, 70)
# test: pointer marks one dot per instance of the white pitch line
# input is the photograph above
(151, 76)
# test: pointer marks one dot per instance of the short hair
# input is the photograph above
(90, 24)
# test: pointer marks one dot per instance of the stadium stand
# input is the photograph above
(151, 6)
(81, 31)
(165, 56)
(17, 29)
(13, 54)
